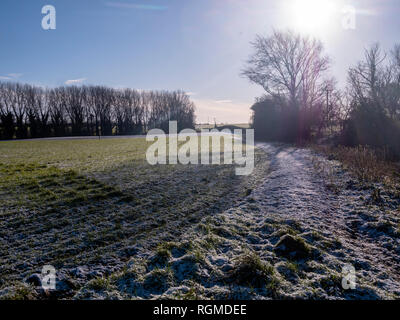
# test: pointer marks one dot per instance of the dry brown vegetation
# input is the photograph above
(367, 164)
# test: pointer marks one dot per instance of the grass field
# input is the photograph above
(88, 206)
(212, 126)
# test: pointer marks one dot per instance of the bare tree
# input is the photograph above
(75, 108)
(290, 65)
(394, 89)
(6, 112)
(57, 104)
(18, 98)
(376, 81)
(291, 68)
(366, 78)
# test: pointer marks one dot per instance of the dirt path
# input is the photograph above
(295, 191)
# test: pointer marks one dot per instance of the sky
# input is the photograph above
(199, 46)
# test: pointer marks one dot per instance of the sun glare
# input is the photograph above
(312, 16)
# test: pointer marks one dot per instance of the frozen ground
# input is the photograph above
(289, 238)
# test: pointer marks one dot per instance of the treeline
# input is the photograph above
(28, 111)
(303, 102)
(373, 99)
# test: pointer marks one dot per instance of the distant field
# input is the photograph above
(212, 126)
(88, 206)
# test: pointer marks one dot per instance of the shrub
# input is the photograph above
(369, 126)
(366, 163)
(277, 120)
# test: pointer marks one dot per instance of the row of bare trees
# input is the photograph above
(302, 101)
(30, 112)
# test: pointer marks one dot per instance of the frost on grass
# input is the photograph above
(288, 238)
(89, 212)
(131, 231)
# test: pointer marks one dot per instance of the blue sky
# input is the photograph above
(199, 46)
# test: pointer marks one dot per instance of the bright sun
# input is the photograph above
(312, 16)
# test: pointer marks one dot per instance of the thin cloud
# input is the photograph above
(124, 5)
(11, 76)
(75, 81)
(15, 75)
(223, 101)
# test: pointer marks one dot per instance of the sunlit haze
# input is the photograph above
(196, 46)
